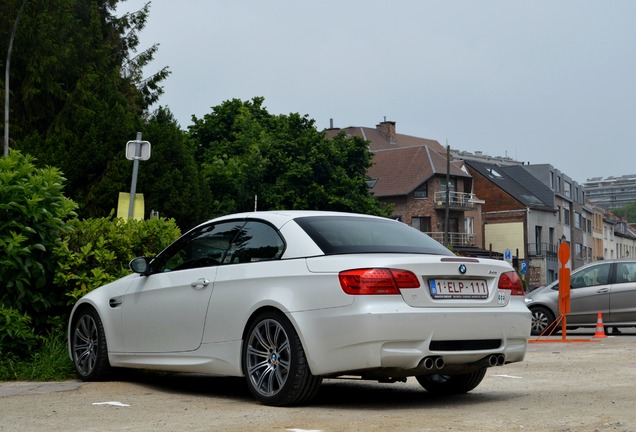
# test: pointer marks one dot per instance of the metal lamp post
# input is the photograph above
(6, 81)
(136, 150)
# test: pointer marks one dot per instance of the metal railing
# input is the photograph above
(454, 238)
(548, 250)
(456, 200)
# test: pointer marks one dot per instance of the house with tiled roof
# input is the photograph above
(384, 136)
(410, 174)
(495, 203)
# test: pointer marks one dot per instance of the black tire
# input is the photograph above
(542, 318)
(451, 384)
(88, 346)
(274, 362)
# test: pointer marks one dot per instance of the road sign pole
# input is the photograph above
(133, 183)
(564, 286)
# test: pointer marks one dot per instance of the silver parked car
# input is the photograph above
(607, 286)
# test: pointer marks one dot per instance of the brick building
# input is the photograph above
(410, 174)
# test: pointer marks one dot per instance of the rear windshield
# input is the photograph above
(348, 234)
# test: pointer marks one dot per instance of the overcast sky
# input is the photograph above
(540, 81)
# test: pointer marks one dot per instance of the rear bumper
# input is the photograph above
(391, 335)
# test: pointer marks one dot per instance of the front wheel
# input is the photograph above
(274, 362)
(542, 318)
(88, 346)
(451, 384)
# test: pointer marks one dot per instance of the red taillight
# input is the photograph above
(377, 281)
(511, 281)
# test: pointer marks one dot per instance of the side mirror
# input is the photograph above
(139, 265)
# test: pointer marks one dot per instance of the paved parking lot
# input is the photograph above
(565, 387)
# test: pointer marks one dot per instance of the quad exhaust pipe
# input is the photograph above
(437, 362)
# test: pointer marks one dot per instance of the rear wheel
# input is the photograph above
(542, 318)
(274, 362)
(451, 384)
(88, 346)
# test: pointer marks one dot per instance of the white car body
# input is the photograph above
(195, 320)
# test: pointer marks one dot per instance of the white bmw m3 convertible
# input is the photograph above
(289, 298)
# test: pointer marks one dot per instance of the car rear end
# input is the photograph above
(413, 315)
(414, 307)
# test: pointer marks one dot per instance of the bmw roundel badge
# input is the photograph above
(462, 269)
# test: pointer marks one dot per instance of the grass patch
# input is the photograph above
(50, 362)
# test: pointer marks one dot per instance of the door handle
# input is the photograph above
(115, 302)
(602, 290)
(203, 282)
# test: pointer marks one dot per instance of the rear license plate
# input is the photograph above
(458, 289)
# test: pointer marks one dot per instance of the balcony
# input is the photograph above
(455, 239)
(548, 250)
(457, 200)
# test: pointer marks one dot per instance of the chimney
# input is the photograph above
(387, 129)
(331, 127)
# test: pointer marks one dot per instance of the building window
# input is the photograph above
(578, 248)
(559, 213)
(421, 223)
(551, 276)
(577, 220)
(566, 189)
(551, 240)
(552, 180)
(421, 191)
(469, 225)
(566, 216)
(452, 184)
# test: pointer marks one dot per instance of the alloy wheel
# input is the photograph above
(268, 357)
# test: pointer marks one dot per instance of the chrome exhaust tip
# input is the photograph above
(496, 360)
(433, 363)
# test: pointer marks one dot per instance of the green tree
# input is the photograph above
(628, 212)
(281, 161)
(33, 217)
(77, 91)
(171, 180)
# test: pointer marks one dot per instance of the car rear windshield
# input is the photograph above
(350, 234)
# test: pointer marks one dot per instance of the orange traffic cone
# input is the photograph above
(600, 330)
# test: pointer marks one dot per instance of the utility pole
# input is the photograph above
(6, 80)
(447, 207)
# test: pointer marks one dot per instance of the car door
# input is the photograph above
(250, 269)
(623, 294)
(589, 293)
(165, 311)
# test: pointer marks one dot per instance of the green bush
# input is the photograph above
(17, 337)
(33, 218)
(97, 251)
(48, 255)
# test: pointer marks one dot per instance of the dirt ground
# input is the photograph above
(565, 387)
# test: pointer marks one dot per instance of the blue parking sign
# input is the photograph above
(508, 255)
(524, 267)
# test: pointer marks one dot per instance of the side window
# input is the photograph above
(597, 275)
(625, 272)
(256, 241)
(205, 247)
